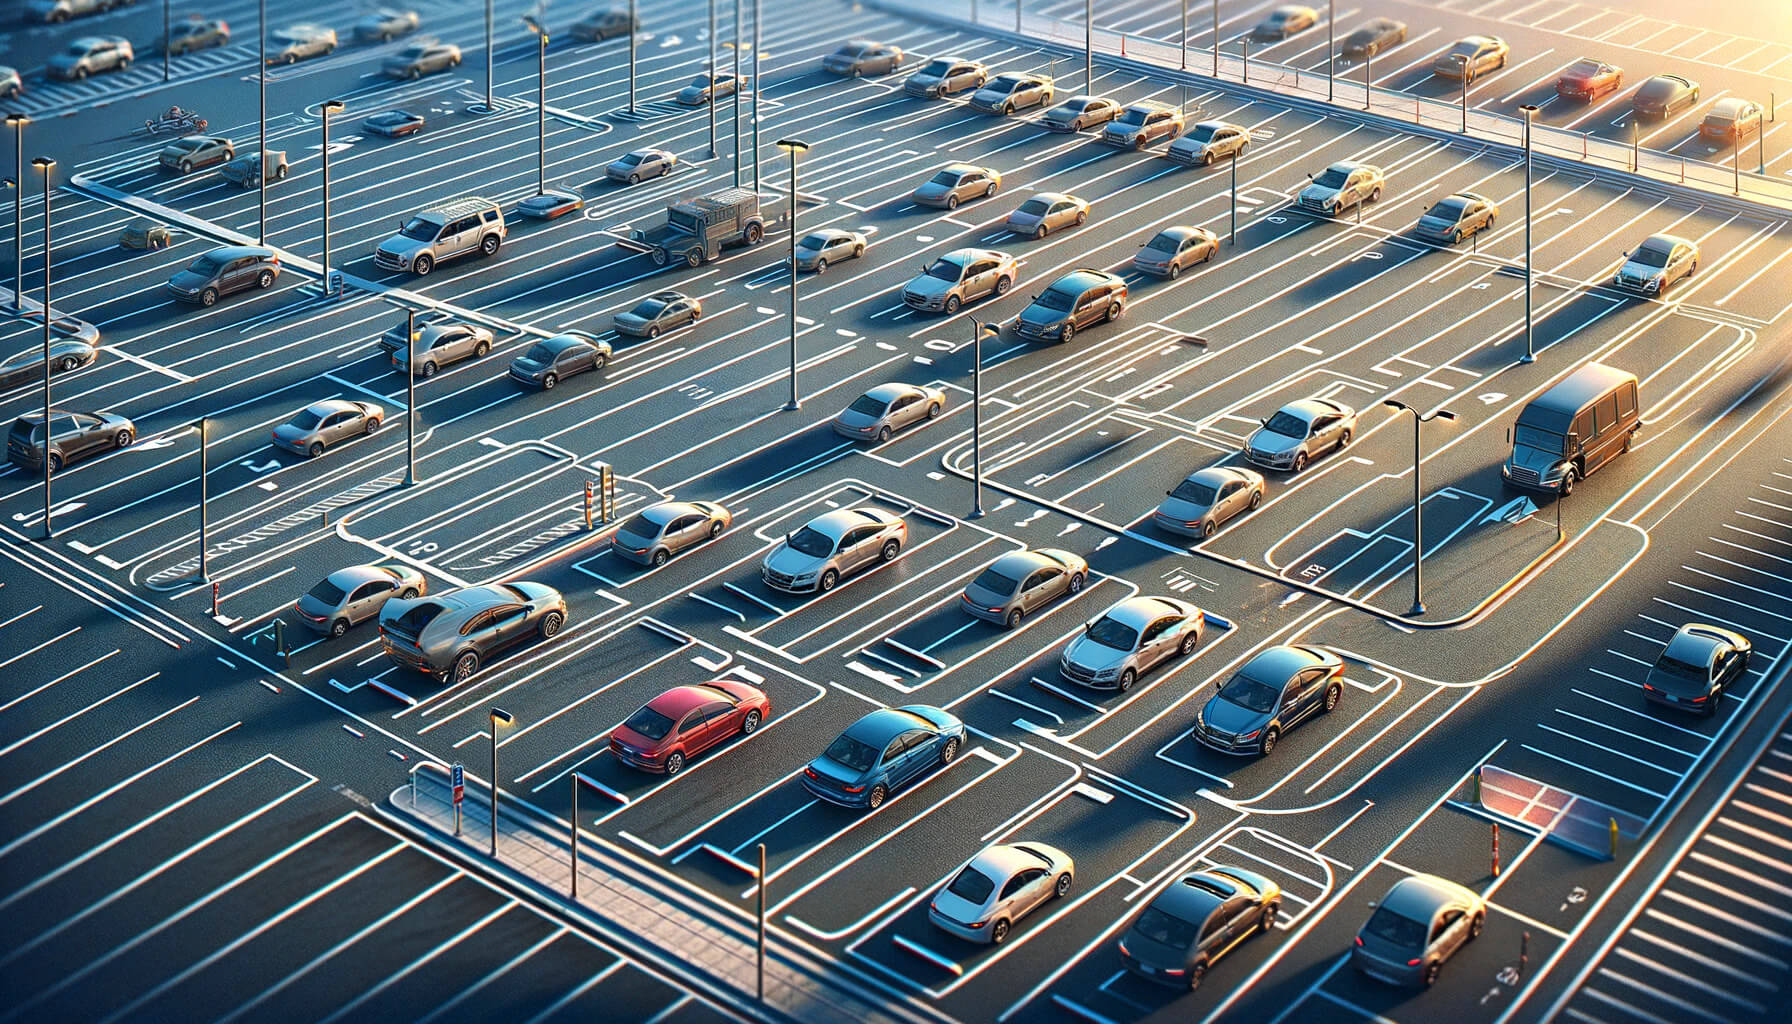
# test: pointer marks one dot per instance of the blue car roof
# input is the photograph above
(880, 727)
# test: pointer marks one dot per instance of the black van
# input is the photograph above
(1572, 429)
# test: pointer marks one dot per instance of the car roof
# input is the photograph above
(1675, 79)
(330, 405)
(1020, 564)
(1084, 99)
(1311, 408)
(1217, 475)
(1082, 279)
(1663, 242)
(1479, 39)
(962, 168)
(355, 575)
(1346, 166)
(1729, 106)
(885, 724)
(835, 524)
(1178, 231)
(830, 233)
(1571, 394)
(1695, 644)
(231, 252)
(1139, 612)
(1418, 897)
(1217, 125)
(1281, 662)
(1003, 861)
(1019, 76)
(1466, 194)
(562, 342)
(1151, 105)
(649, 151)
(1191, 897)
(679, 700)
(890, 392)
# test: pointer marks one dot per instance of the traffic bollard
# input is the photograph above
(1477, 784)
(588, 525)
(280, 640)
(1614, 838)
(1496, 849)
(1524, 950)
(214, 599)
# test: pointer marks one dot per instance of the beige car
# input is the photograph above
(956, 183)
(887, 408)
(1175, 249)
(443, 345)
(1471, 57)
(1046, 212)
(1142, 124)
(1210, 141)
(961, 276)
(656, 533)
(832, 546)
(1012, 90)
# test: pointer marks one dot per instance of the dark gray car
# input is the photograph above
(449, 635)
(73, 436)
(28, 366)
(661, 311)
(1279, 688)
(1697, 667)
(1129, 639)
(351, 596)
(946, 76)
(600, 25)
(393, 339)
(419, 59)
(1079, 112)
(1421, 922)
(227, 269)
(385, 25)
(186, 153)
(552, 360)
(326, 424)
(1194, 921)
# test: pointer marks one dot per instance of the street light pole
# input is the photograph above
(1089, 45)
(261, 80)
(978, 330)
(1216, 38)
(712, 79)
(497, 717)
(758, 16)
(204, 494)
(1331, 44)
(1181, 36)
(1463, 62)
(329, 107)
(792, 147)
(167, 38)
(410, 396)
(489, 106)
(44, 165)
(1530, 113)
(736, 48)
(18, 123)
(1232, 236)
(1418, 542)
(541, 104)
(633, 21)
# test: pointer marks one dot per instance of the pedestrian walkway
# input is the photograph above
(719, 949)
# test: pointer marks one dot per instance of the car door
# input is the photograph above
(365, 602)
(906, 410)
(714, 717)
(692, 728)
(1041, 587)
(963, 76)
(864, 546)
(979, 279)
(512, 622)
(1152, 640)
(85, 436)
(681, 312)
(684, 531)
(840, 249)
(1449, 931)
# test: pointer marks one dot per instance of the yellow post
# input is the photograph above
(1614, 822)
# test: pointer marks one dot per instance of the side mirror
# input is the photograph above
(1170, 493)
(1508, 435)
(1034, 298)
(1573, 441)
(1263, 421)
(1309, 177)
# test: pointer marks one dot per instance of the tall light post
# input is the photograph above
(1232, 234)
(204, 432)
(261, 88)
(1331, 45)
(1462, 66)
(1418, 537)
(758, 16)
(712, 79)
(497, 716)
(541, 104)
(1216, 38)
(634, 22)
(792, 148)
(1530, 114)
(978, 330)
(329, 107)
(410, 397)
(17, 123)
(44, 165)
(1181, 36)
(1089, 45)
(489, 106)
(736, 48)
(1368, 78)
(167, 37)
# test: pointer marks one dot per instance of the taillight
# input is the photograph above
(1414, 962)
(996, 609)
(1123, 950)
(1359, 940)
(1173, 974)
(1698, 700)
(811, 773)
(852, 789)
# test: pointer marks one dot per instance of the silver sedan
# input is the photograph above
(450, 635)
(1046, 212)
(831, 547)
(1129, 640)
(657, 532)
(1175, 249)
(1207, 498)
(641, 163)
(961, 276)
(443, 345)
(999, 887)
(887, 408)
(351, 596)
(829, 245)
(328, 423)
(1300, 432)
(1022, 582)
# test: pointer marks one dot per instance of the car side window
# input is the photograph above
(86, 422)
(367, 590)
(915, 738)
(508, 614)
(692, 719)
(62, 426)
(1608, 412)
(1626, 401)
(1215, 923)
(894, 750)
(477, 622)
(715, 709)
(1041, 578)
(902, 402)
(1583, 425)
(1444, 921)
(1322, 424)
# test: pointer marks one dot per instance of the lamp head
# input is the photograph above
(792, 146)
(1445, 414)
(17, 120)
(1397, 406)
(43, 163)
(333, 107)
(499, 716)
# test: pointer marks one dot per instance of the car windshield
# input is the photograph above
(540, 353)
(1134, 116)
(1165, 242)
(204, 266)
(1533, 437)
(937, 68)
(849, 50)
(816, 241)
(1286, 424)
(648, 309)
(945, 270)
(1249, 693)
(1034, 207)
(1195, 492)
(1168, 929)
(995, 582)
(1681, 670)
(1334, 177)
(1203, 133)
(77, 50)
(868, 405)
(420, 229)
(1584, 68)
(1056, 299)
(307, 419)
(1650, 255)
(972, 886)
(413, 51)
(630, 160)
(327, 593)
(811, 542)
(1657, 89)
(1449, 209)
(1464, 49)
(1111, 632)
(946, 178)
(850, 752)
(649, 723)
(1402, 932)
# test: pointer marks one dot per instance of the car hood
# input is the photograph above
(928, 286)
(1526, 457)
(921, 78)
(1118, 130)
(1224, 716)
(528, 367)
(1042, 316)
(402, 246)
(791, 562)
(1091, 655)
(186, 280)
(1639, 271)
(1179, 508)
(931, 190)
(1673, 685)
(1272, 443)
(855, 420)
(1438, 224)
(983, 597)
(1319, 192)
(957, 908)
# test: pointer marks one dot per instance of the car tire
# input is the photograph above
(407, 593)
(1062, 888)
(998, 932)
(338, 629)
(70, 363)
(754, 234)
(660, 557)
(878, 793)
(1195, 974)
(952, 202)
(422, 266)
(1567, 485)
(1208, 529)
(934, 410)
(1175, 270)
(949, 750)
(1113, 312)
(1344, 440)
(883, 434)
(1207, 159)
(600, 362)
(653, 331)
(1300, 461)
(750, 724)
(1375, 196)
(373, 424)
(715, 529)
(1190, 641)
(186, 167)
(122, 439)
(1429, 975)
(1068, 332)
(1015, 618)
(316, 450)
(1267, 919)
(694, 258)
(890, 550)
(548, 382)
(1475, 924)
(1127, 678)
(265, 280)
(1003, 284)
(465, 664)
(1256, 500)
(1040, 232)
(674, 763)
(829, 580)
(488, 246)
(1268, 742)
(1711, 704)
(55, 463)
(1076, 583)
(857, 251)
(550, 625)
(821, 267)
(1007, 108)
(1333, 694)
(953, 302)
(415, 73)
(429, 370)
(481, 348)
(1138, 144)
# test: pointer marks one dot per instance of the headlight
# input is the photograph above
(1108, 673)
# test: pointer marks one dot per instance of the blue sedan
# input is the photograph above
(882, 751)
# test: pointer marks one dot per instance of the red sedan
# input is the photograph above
(1587, 80)
(685, 721)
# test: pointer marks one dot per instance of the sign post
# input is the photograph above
(458, 779)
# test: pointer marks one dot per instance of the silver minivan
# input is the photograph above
(443, 232)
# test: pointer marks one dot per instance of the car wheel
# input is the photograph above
(1003, 284)
(429, 370)
(1076, 583)
(883, 434)
(70, 363)
(600, 362)
(694, 258)
(1062, 889)
(949, 750)
(1208, 528)
(292, 58)
(829, 580)
(1175, 270)
(1207, 159)
(890, 550)
(548, 382)
(953, 302)
(1268, 742)
(1040, 232)
(316, 450)
(1015, 618)
(372, 425)
(407, 593)
(1267, 919)
(1474, 926)
(1195, 974)
(1567, 486)
(1127, 678)
(821, 266)
(1300, 461)
(186, 167)
(1344, 440)
(952, 202)
(55, 463)
(659, 557)
(423, 266)
(665, 169)
(857, 251)
(1007, 108)
(933, 411)
(265, 280)
(674, 763)
(416, 73)
(1138, 143)
(1375, 196)
(1333, 694)
(1067, 332)
(876, 799)
(750, 724)
(481, 348)
(1189, 642)
(550, 624)
(465, 666)
(1256, 500)
(654, 331)
(1712, 703)
(1432, 970)
(122, 439)
(715, 529)
(489, 245)
(338, 628)
(998, 932)
(1113, 312)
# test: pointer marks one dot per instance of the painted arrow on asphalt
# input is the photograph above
(1515, 511)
